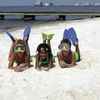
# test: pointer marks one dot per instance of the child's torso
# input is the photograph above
(67, 58)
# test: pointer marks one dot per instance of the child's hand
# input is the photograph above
(62, 64)
(38, 69)
(22, 65)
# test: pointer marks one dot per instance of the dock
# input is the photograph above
(87, 10)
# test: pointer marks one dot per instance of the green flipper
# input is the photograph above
(50, 36)
(44, 36)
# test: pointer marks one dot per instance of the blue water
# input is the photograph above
(55, 2)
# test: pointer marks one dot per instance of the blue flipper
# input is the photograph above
(27, 32)
(12, 38)
(66, 34)
(73, 36)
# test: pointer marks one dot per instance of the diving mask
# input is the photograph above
(64, 47)
(19, 48)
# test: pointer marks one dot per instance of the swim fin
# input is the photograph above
(26, 32)
(73, 35)
(9, 34)
(66, 34)
(50, 36)
(44, 36)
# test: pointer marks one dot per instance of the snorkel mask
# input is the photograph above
(64, 47)
(19, 48)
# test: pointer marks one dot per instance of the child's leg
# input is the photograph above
(11, 50)
(44, 41)
(49, 43)
(77, 51)
(50, 36)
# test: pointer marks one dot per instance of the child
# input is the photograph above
(44, 54)
(66, 57)
(19, 52)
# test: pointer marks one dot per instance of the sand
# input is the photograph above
(81, 82)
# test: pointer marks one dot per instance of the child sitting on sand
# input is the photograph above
(66, 57)
(44, 57)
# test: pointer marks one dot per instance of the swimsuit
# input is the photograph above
(46, 61)
(70, 56)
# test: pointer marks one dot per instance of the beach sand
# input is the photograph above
(81, 82)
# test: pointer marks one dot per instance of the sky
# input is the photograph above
(58, 2)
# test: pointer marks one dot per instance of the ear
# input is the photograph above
(26, 33)
(11, 36)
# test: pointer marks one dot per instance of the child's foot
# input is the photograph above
(38, 69)
(44, 36)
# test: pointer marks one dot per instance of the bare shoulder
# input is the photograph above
(59, 53)
(73, 53)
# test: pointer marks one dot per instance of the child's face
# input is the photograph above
(43, 54)
(65, 52)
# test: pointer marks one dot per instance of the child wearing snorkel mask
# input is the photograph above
(19, 52)
(66, 57)
(44, 54)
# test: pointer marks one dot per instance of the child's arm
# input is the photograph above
(64, 64)
(59, 56)
(11, 62)
(27, 57)
(11, 50)
(50, 63)
(37, 66)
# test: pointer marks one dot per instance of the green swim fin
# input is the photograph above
(50, 36)
(44, 36)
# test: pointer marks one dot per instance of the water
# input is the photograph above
(55, 2)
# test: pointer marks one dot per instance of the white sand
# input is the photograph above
(78, 83)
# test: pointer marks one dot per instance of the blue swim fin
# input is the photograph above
(9, 34)
(26, 32)
(66, 34)
(73, 35)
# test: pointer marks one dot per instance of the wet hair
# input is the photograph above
(46, 48)
(66, 41)
(19, 41)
